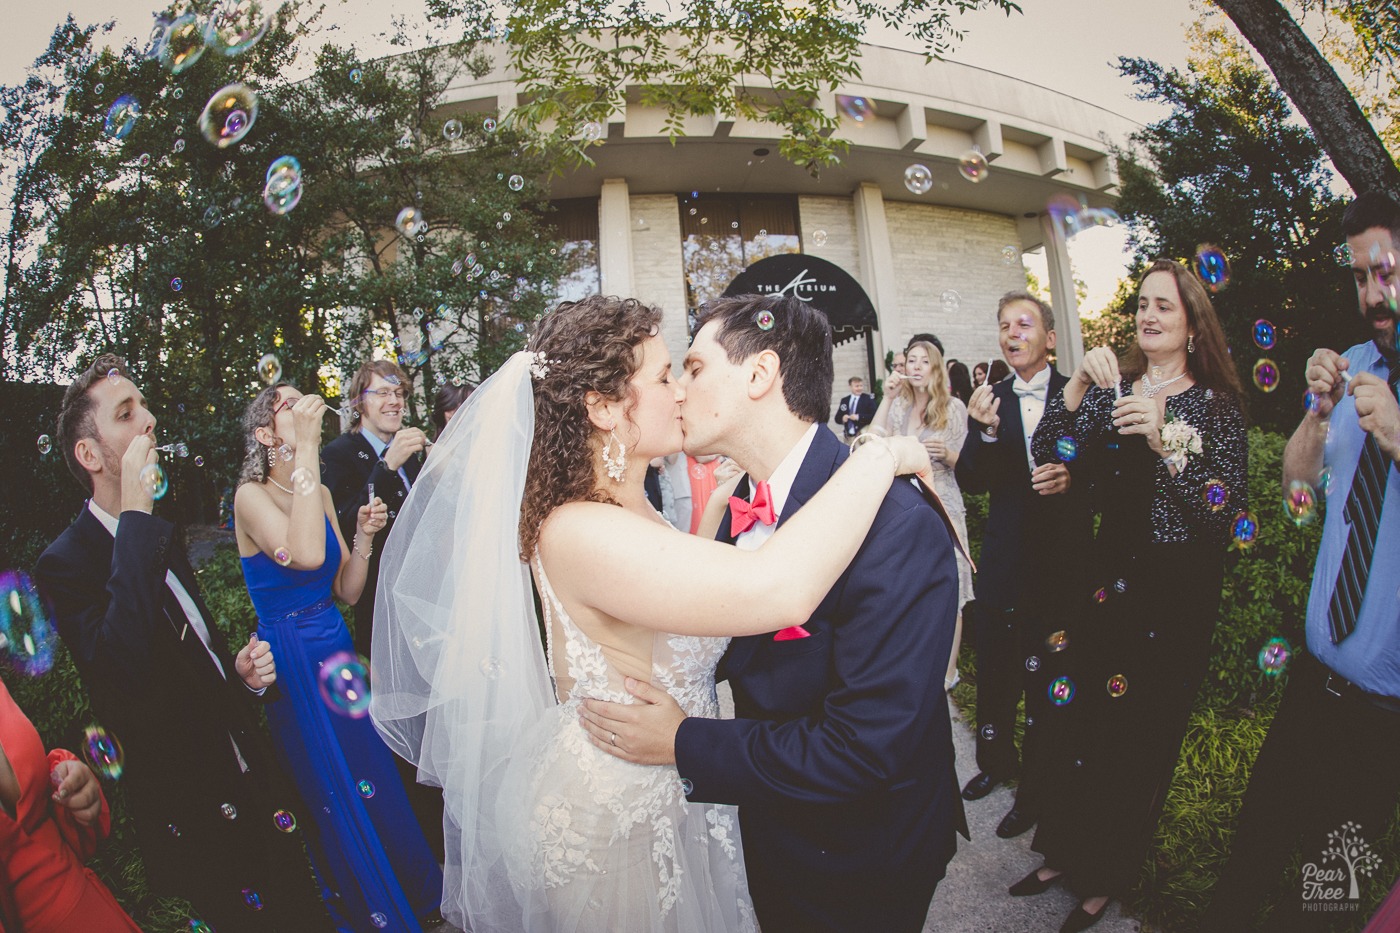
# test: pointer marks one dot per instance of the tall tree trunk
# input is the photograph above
(1320, 96)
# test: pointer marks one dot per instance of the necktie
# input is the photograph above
(743, 514)
(1363, 514)
(1029, 389)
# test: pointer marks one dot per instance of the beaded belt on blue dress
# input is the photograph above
(321, 606)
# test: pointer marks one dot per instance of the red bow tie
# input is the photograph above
(743, 514)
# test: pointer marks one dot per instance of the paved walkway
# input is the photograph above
(973, 898)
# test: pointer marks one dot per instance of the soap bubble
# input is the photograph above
(1266, 375)
(1057, 641)
(356, 75)
(252, 900)
(229, 115)
(1117, 686)
(27, 636)
(1060, 691)
(199, 926)
(282, 556)
(1300, 503)
(410, 222)
(154, 480)
(121, 117)
(269, 368)
(819, 238)
(1010, 254)
(489, 124)
(176, 284)
(1342, 254)
(199, 461)
(950, 301)
(918, 179)
(973, 166)
(1264, 334)
(102, 750)
(1274, 656)
(183, 43)
(592, 131)
(303, 481)
(114, 376)
(228, 811)
(45, 445)
(515, 184)
(1243, 531)
(491, 668)
(1215, 494)
(235, 26)
(1212, 267)
(366, 788)
(213, 216)
(452, 130)
(857, 108)
(283, 187)
(379, 920)
(1066, 448)
(178, 147)
(344, 684)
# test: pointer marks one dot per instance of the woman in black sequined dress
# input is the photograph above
(1124, 674)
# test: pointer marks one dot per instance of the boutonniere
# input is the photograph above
(1180, 440)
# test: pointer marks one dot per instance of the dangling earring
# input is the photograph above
(1190, 343)
(271, 460)
(616, 467)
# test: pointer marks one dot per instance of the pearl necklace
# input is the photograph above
(288, 491)
(1150, 389)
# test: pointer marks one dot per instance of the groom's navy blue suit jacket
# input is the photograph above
(841, 755)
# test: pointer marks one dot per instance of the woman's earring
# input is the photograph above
(616, 467)
(271, 460)
(1190, 343)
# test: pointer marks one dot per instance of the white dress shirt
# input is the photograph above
(1032, 408)
(779, 486)
(379, 448)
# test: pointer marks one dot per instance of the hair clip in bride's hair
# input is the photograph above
(539, 365)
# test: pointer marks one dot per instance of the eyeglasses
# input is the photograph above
(385, 394)
(285, 403)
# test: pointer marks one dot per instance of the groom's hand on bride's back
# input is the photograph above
(643, 733)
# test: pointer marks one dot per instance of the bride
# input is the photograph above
(541, 474)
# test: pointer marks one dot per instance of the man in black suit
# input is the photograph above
(199, 777)
(856, 410)
(841, 755)
(1034, 534)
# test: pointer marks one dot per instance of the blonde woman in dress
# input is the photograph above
(918, 403)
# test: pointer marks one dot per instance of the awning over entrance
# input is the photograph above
(822, 284)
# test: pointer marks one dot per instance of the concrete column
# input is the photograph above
(1069, 338)
(877, 268)
(615, 239)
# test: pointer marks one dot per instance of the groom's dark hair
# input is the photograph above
(791, 328)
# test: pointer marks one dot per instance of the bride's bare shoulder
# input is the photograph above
(574, 520)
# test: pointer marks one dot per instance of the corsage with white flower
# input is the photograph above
(1179, 440)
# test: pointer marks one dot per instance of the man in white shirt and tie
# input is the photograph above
(199, 776)
(1034, 533)
(856, 410)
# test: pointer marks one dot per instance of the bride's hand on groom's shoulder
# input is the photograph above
(911, 456)
(643, 733)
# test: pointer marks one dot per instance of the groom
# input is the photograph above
(841, 758)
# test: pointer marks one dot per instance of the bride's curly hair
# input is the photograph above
(591, 346)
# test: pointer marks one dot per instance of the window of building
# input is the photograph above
(575, 222)
(723, 234)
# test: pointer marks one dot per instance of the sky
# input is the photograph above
(1069, 46)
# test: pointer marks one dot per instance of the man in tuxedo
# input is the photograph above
(1034, 533)
(841, 758)
(377, 453)
(856, 410)
(198, 775)
(378, 457)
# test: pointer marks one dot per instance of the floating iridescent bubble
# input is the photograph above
(213, 216)
(1324, 481)
(356, 75)
(284, 821)
(366, 788)
(252, 900)
(1266, 375)
(344, 684)
(45, 445)
(379, 920)
(1274, 656)
(1264, 334)
(235, 26)
(228, 811)
(229, 115)
(1342, 254)
(1300, 503)
(918, 178)
(285, 453)
(1033, 664)
(144, 160)
(452, 130)
(489, 124)
(103, 752)
(1066, 448)
(269, 368)
(1243, 531)
(1101, 594)
(176, 284)
(121, 117)
(199, 926)
(1117, 686)
(282, 189)
(303, 481)
(154, 480)
(27, 636)
(1009, 255)
(199, 461)
(857, 108)
(183, 43)
(282, 556)
(1212, 267)
(1215, 494)
(973, 165)
(410, 222)
(1057, 641)
(819, 238)
(491, 668)
(988, 731)
(764, 320)
(592, 131)
(950, 301)
(179, 146)
(114, 376)
(515, 183)
(1060, 691)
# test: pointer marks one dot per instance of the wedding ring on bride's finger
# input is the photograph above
(613, 739)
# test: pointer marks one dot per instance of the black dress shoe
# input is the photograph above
(1016, 822)
(983, 784)
(1081, 919)
(1032, 884)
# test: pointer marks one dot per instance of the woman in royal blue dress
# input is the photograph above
(364, 840)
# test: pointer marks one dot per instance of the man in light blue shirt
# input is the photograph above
(1328, 775)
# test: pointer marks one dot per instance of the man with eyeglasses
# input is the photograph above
(379, 454)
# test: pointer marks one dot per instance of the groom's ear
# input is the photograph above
(764, 373)
(599, 412)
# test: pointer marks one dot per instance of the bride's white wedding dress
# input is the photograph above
(605, 845)
(544, 832)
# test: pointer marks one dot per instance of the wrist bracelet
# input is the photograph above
(884, 444)
(369, 549)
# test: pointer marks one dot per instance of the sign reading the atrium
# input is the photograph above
(824, 285)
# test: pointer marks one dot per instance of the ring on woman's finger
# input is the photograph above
(613, 739)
